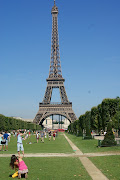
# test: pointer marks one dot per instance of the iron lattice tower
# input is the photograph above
(55, 80)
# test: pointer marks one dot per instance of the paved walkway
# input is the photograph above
(92, 170)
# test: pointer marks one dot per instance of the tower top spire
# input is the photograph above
(54, 9)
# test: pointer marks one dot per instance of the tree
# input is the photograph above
(87, 118)
(94, 118)
(2, 122)
(79, 129)
(88, 132)
(99, 118)
(105, 113)
(82, 122)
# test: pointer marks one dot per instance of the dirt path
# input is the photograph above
(77, 154)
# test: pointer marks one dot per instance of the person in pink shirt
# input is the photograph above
(17, 162)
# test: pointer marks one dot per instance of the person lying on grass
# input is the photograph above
(18, 163)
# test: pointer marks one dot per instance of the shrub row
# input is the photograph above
(10, 123)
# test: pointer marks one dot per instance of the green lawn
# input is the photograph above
(109, 165)
(60, 145)
(48, 169)
(64, 168)
(90, 146)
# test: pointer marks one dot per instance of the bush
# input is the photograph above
(109, 139)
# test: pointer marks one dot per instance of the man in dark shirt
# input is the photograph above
(5, 136)
(49, 135)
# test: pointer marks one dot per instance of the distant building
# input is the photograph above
(15, 117)
(47, 123)
(20, 118)
(28, 120)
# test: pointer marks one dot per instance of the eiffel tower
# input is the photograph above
(55, 80)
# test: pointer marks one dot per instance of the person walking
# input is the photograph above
(5, 136)
(37, 136)
(54, 135)
(42, 136)
(49, 135)
(45, 134)
(9, 135)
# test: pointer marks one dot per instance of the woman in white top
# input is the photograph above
(1, 137)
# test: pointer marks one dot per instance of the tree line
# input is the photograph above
(10, 123)
(98, 118)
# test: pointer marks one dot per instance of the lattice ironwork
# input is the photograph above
(55, 80)
(48, 93)
(55, 64)
(63, 94)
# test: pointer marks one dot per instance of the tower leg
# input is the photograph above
(61, 121)
(52, 121)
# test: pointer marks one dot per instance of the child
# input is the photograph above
(17, 162)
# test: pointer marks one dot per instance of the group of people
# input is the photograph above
(5, 139)
(16, 162)
(54, 134)
(44, 134)
(41, 135)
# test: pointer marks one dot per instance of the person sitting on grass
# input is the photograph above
(18, 163)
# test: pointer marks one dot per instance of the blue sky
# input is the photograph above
(89, 38)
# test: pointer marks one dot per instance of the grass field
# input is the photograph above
(60, 145)
(90, 146)
(48, 169)
(63, 168)
(109, 165)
